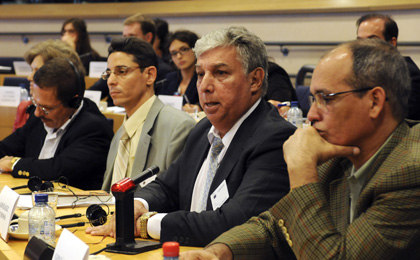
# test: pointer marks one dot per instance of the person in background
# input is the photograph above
(74, 32)
(160, 42)
(280, 88)
(153, 133)
(182, 82)
(383, 27)
(230, 168)
(354, 174)
(36, 57)
(65, 136)
(142, 27)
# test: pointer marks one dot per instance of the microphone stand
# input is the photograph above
(124, 216)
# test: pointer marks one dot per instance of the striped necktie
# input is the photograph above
(216, 148)
(122, 160)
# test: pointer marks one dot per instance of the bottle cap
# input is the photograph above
(170, 249)
(295, 103)
(42, 197)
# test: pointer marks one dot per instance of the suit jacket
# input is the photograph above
(161, 140)
(80, 155)
(253, 168)
(172, 83)
(313, 220)
(414, 99)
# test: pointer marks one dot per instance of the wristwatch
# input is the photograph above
(143, 223)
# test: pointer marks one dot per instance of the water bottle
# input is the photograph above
(294, 115)
(24, 96)
(170, 251)
(42, 220)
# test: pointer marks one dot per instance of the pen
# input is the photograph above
(282, 104)
(186, 99)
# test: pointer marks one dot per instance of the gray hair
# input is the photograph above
(250, 48)
(378, 63)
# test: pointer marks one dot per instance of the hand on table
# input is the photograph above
(305, 150)
(282, 109)
(6, 164)
(109, 228)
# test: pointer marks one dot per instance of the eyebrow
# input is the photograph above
(214, 66)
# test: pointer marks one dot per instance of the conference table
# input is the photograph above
(15, 248)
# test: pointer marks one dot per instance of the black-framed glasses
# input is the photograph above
(322, 99)
(44, 109)
(181, 51)
(119, 71)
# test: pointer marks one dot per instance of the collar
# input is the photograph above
(132, 123)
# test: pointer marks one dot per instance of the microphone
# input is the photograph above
(127, 183)
(146, 174)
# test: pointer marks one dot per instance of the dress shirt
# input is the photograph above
(357, 179)
(154, 223)
(133, 126)
(53, 137)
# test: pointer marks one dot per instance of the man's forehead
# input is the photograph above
(371, 28)
(218, 57)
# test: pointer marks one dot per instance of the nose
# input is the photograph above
(112, 79)
(38, 111)
(314, 113)
(205, 83)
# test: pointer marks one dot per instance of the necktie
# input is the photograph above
(216, 148)
(123, 157)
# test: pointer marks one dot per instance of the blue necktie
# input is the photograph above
(216, 148)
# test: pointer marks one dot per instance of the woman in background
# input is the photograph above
(182, 81)
(74, 32)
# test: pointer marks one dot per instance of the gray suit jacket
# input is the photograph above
(161, 141)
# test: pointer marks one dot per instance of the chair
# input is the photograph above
(8, 62)
(16, 81)
(302, 91)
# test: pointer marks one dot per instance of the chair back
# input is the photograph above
(302, 91)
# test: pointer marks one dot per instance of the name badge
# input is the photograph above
(8, 202)
(219, 196)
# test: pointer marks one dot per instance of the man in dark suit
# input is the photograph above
(363, 202)
(65, 135)
(249, 177)
(383, 27)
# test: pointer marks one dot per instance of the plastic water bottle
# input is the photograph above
(170, 251)
(42, 220)
(294, 115)
(24, 96)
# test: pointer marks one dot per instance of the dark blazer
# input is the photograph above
(313, 220)
(172, 83)
(80, 155)
(414, 99)
(254, 170)
(280, 88)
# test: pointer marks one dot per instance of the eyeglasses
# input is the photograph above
(119, 71)
(44, 109)
(181, 51)
(322, 99)
(71, 31)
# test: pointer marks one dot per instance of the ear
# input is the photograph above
(378, 100)
(256, 78)
(150, 75)
(393, 41)
(149, 37)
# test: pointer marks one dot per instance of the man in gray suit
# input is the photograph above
(152, 133)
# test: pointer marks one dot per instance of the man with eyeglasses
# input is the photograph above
(152, 133)
(354, 174)
(230, 168)
(65, 136)
(382, 26)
